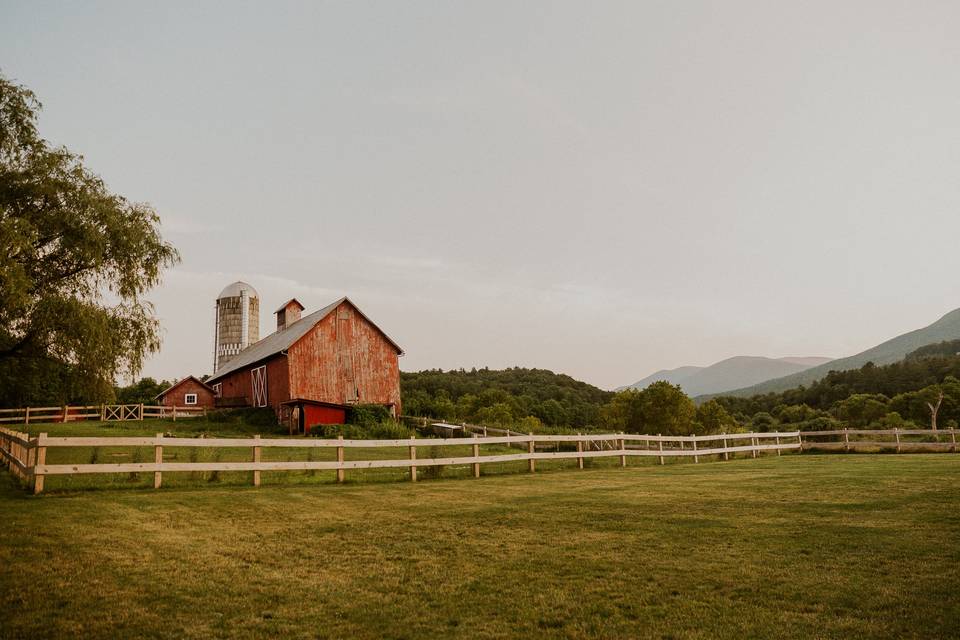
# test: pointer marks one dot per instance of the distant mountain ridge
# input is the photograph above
(893, 350)
(728, 374)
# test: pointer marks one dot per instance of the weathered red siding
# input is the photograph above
(345, 359)
(239, 384)
(175, 395)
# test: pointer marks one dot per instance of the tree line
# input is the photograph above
(537, 399)
(515, 396)
(921, 391)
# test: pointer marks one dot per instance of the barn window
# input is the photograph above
(216, 391)
(190, 398)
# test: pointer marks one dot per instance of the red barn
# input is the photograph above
(314, 366)
(189, 392)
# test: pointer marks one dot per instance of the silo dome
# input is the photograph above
(233, 290)
(237, 323)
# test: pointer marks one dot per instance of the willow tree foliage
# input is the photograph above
(75, 261)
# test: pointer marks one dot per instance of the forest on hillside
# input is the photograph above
(505, 396)
(537, 399)
(903, 394)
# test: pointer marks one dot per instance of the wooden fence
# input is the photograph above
(103, 412)
(900, 440)
(26, 456)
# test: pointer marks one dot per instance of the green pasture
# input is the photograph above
(831, 546)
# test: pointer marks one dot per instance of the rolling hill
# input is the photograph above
(893, 350)
(673, 376)
(731, 373)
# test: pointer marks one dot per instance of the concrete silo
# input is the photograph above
(237, 322)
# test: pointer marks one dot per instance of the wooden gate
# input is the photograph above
(121, 412)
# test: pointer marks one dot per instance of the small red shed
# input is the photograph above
(189, 392)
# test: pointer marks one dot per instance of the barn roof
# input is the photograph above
(281, 340)
(180, 382)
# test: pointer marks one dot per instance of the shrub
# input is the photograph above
(823, 423)
(367, 414)
(387, 430)
(763, 422)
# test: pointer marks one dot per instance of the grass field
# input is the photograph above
(796, 547)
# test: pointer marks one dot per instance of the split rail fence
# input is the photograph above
(900, 440)
(25, 455)
(102, 412)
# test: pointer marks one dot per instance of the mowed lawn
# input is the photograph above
(838, 546)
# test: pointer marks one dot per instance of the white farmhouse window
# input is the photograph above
(190, 398)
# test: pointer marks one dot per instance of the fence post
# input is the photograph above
(896, 433)
(531, 449)
(753, 446)
(726, 454)
(484, 431)
(413, 456)
(40, 458)
(66, 411)
(26, 418)
(103, 413)
(953, 440)
(29, 458)
(579, 450)
(140, 412)
(778, 443)
(174, 413)
(340, 471)
(158, 459)
(476, 454)
(256, 458)
(623, 447)
(800, 441)
(660, 442)
(846, 440)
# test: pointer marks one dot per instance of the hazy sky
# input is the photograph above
(602, 189)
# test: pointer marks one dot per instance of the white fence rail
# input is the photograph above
(899, 439)
(102, 412)
(27, 455)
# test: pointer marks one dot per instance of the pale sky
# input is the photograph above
(602, 189)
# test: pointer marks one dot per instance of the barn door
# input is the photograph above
(345, 354)
(259, 383)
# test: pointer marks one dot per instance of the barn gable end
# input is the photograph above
(345, 358)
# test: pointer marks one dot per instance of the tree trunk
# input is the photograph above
(934, 409)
